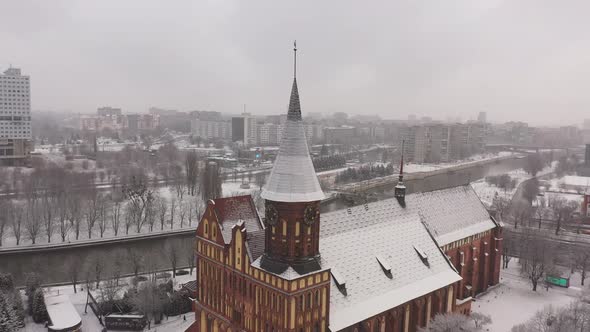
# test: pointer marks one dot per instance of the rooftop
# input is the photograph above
(380, 257)
(231, 210)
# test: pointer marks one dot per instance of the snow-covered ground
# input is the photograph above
(90, 321)
(426, 167)
(231, 188)
(513, 302)
(487, 192)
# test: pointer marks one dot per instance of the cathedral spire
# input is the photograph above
(294, 112)
(295, 59)
(293, 177)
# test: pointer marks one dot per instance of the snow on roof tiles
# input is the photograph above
(451, 214)
(231, 210)
(351, 241)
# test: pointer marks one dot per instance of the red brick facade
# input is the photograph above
(477, 259)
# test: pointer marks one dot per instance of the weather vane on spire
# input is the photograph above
(295, 58)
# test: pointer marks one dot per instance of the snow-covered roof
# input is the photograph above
(231, 210)
(451, 214)
(359, 247)
(293, 177)
(578, 181)
(62, 313)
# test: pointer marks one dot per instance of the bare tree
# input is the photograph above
(500, 205)
(17, 214)
(572, 318)
(452, 322)
(581, 262)
(150, 212)
(135, 260)
(182, 210)
(98, 265)
(48, 207)
(162, 207)
(92, 211)
(530, 190)
(140, 197)
(116, 215)
(3, 218)
(129, 217)
(173, 206)
(191, 170)
(211, 182)
(149, 300)
(32, 222)
(172, 254)
(103, 215)
(562, 210)
(191, 212)
(75, 213)
(536, 255)
(521, 212)
(74, 270)
(190, 256)
(534, 164)
(62, 214)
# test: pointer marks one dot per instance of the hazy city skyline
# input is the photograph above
(515, 60)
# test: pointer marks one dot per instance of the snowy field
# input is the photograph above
(513, 302)
(426, 167)
(486, 191)
(90, 322)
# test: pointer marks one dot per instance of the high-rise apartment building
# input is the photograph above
(244, 129)
(15, 117)
(211, 128)
(441, 142)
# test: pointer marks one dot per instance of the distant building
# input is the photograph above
(109, 111)
(15, 117)
(136, 123)
(482, 117)
(339, 135)
(435, 143)
(314, 133)
(244, 129)
(209, 129)
(269, 133)
(162, 112)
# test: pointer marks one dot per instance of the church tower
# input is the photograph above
(292, 199)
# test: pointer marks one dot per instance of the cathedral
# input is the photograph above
(390, 265)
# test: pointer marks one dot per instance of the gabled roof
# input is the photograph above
(293, 177)
(231, 210)
(451, 214)
(360, 246)
(255, 244)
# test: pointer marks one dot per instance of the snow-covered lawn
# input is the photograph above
(426, 167)
(513, 302)
(90, 321)
(486, 192)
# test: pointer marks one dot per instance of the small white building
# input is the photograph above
(578, 183)
(62, 314)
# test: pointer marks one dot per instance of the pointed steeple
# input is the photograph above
(294, 112)
(293, 177)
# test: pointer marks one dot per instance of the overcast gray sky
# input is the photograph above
(515, 59)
